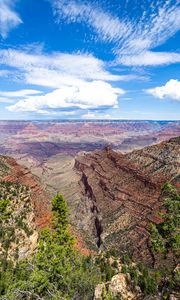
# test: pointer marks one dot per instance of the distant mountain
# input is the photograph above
(38, 140)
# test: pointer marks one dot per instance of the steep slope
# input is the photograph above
(12, 172)
(124, 193)
(18, 233)
(24, 208)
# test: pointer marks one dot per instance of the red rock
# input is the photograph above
(40, 197)
(125, 191)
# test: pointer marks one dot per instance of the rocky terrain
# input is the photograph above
(39, 196)
(38, 141)
(24, 208)
(122, 194)
(107, 192)
(113, 198)
(18, 231)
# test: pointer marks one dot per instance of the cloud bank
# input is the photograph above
(87, 95)
(74, 81)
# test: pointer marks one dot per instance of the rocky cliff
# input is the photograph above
(122, 194)
(112, 197)
(24, 208)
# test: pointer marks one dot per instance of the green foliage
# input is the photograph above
(21, 224)
(106, 295)
(165, 236)
(4, 211)
(147, 283)
(157, 242)
(61, 213)
(6, 275)
(168, 188)
(113, 252)
(107, 271)
(3, 205)
(126, 259)
(142, 277)
(57, 270)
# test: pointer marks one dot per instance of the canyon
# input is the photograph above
(112, 185)
(111, 182)
(36, 141)
(125, 193)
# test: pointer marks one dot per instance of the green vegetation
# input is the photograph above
(140, 276)
(107, 270)
(165, 237)
(3, 205)
(107, 295)
(14, 207)
(57, 271)
(4, 211)
(165, 247)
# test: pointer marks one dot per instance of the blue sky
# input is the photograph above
(89, 59)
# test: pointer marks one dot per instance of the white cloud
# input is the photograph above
(106, 26)
(170, 90)
(77, 80)
(4, 73)
(19, 94)
(12, 96)
(58, 68)
(153, 25)
(8, 17)
(6, 100)
(157, 23)
(86, 95)
(94, 116)
(149, 58)
(133, 37)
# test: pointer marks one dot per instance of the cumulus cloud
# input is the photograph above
(93, 94)
(171, 90)
(78, 81)
(8, 17)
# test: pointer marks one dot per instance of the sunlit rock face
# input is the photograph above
(124, 193)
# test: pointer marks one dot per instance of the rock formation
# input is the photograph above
(123, 193)
(14, 173)
(24, 209)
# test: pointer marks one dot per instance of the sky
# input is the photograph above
(93, 59)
